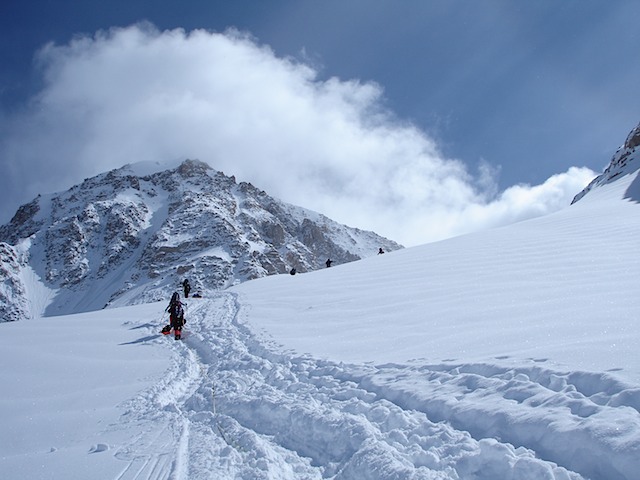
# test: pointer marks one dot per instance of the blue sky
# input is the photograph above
(503, 95)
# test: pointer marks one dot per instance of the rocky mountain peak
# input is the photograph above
(193, 168)
(122, 238)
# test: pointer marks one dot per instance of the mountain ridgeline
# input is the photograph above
(624, 161)
(124, 238)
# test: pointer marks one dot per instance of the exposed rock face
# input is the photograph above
(119, 238)
(633, 140)
(13, 301)
(626, 160)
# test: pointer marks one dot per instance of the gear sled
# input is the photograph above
(166, 330)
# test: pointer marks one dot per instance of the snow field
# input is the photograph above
(223, 404)
(62, 380)
(242, 411)
(559, 288)
(526, 335)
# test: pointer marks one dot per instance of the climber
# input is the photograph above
(176, 317)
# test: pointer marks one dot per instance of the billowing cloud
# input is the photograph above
(137, 94)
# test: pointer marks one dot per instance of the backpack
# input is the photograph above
(176, 310)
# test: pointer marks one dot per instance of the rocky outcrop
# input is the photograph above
(13, 300)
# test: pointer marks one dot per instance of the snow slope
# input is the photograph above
(560, 287)
(508, 354)
(62, 378)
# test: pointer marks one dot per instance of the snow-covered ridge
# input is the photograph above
(122, 238)
(626, 160)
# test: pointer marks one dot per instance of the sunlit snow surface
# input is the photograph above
(507, 354)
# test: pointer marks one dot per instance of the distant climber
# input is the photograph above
(380, 250)
(328, 262)
(186, 287)
(292, 271)
(176, 317)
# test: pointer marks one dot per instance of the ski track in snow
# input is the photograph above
(230, 406)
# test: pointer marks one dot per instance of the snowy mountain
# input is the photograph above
(124, 238)
(509, 354)
(624, 161)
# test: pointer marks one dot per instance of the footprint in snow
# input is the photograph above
(100, 447)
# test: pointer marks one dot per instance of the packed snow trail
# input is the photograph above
(232, 407)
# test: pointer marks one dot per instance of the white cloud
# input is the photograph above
(137, 94)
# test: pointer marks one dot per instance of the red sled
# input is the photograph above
(167, 331)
